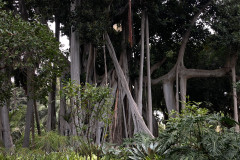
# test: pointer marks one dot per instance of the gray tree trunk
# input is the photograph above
(6, 133)
(169, 96)
(183, 90)
(75, 62)
(75, 50)
(37, 118)
(51, 120)
(30, 106)
(5, 124)
(149, 86)
(140, 88)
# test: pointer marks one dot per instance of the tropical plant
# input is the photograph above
(192, 134)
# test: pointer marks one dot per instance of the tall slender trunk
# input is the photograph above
(75, 62)
(37, 118)
(149, 86)
(140, 88)
(30, 105)
(130, 23)
(235, 98)
(75, 50)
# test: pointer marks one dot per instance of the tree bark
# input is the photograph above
(75, 50)
(30, 105)
(169, 96)
(140, 88)
(183, 90)
(37, 118)
(6, 133)
(75, 61)
(235, 98)
(149, 86)
(139, 123)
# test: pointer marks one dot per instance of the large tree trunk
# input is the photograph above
(140, 88)
(149, 86)
(75, 50)
(75, 62)
(169, 96)
(51, 120)
(6, 133)
(139, 123)
(30, 106)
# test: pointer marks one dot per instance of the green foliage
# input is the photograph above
(51, 142)
(94, 101)
(26, 154)
(196, 134)
(144, 147)
(91, 19)
(5, 89)
(112, 152)
(25, 44)
(193, 134)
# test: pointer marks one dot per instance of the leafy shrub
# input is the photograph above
(193, 134)
(90, 104)
(52, 142)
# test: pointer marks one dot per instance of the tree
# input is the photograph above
(33, 51)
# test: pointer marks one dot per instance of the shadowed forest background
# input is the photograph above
(128, 61)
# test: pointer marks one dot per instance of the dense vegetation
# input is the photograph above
(193, 134)
(128, 61)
